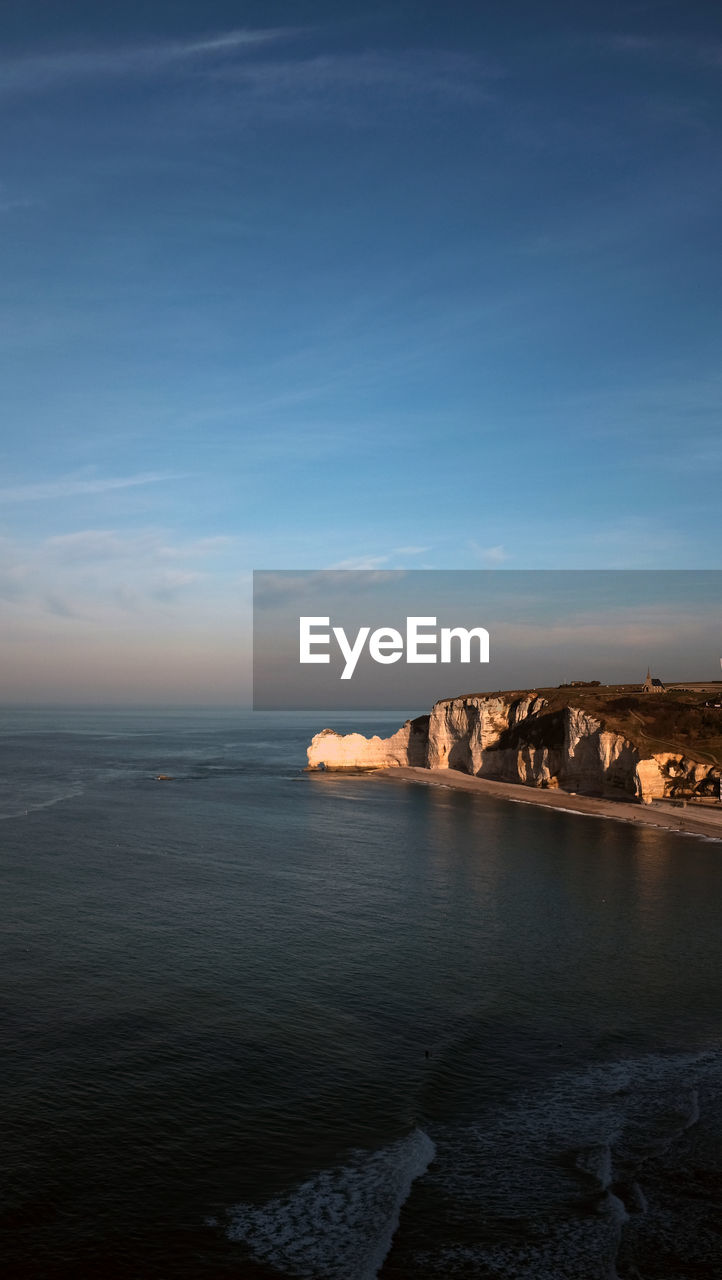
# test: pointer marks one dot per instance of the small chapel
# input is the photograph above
(652, 684)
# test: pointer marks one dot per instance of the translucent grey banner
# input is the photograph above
(372, 640)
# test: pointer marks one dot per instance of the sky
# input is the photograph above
(318, 286)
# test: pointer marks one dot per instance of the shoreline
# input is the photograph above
(656, 814)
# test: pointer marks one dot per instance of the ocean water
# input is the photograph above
(261, 1023)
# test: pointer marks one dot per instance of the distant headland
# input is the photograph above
(649, 743)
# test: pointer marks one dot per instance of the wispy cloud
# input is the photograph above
(74, 486)
(172, 582)
(309, 84)
(39, 73)
(638, 541)
(276, 589)
(357, 563)
(10, 202)
(224, 43)
(489, 555)
(88, 545)
(108, 573)
(235, 78)
(672, 48)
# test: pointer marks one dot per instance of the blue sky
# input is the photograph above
(308, 285)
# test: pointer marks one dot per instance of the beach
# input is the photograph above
(689, 820)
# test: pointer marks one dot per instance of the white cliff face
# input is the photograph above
(461, 729)
(595, 760)
(519, 740)
(456, 735)
(330, 750)
(531, 766)
(666, 775)
(566, 748)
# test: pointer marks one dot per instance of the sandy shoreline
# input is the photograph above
(687, 821)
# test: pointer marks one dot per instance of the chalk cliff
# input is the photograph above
(520, 738)
(330, 750)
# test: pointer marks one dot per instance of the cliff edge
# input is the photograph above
(596, 743)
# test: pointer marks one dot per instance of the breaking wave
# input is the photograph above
(339, 1224)
(598, 1175)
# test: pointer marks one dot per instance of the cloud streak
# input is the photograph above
(489, 555)
(356, 563)
(276, 86)
(74, 487)
(688, 52)
(281, 86)
(107, 574)
(88, 545)
(40, 73)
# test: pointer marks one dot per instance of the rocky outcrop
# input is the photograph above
(594, 760)
(668, 776)
(565, 748)
(330, 750)
(517, 738)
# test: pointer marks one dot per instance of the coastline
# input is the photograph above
(657, 814)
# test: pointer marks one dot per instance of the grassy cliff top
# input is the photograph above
(677, 720)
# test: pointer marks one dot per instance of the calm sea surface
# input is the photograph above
(260, 1023)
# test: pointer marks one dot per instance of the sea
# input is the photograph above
(264, 1023)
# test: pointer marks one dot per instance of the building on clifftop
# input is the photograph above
(652, 684)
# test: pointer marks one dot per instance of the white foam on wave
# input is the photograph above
(22, 809)
(552, 1178)
(339, 1224)
(693, 1115)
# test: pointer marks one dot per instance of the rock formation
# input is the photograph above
(407, 746)
(519, 738)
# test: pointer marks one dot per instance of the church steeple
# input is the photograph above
(652, 684)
